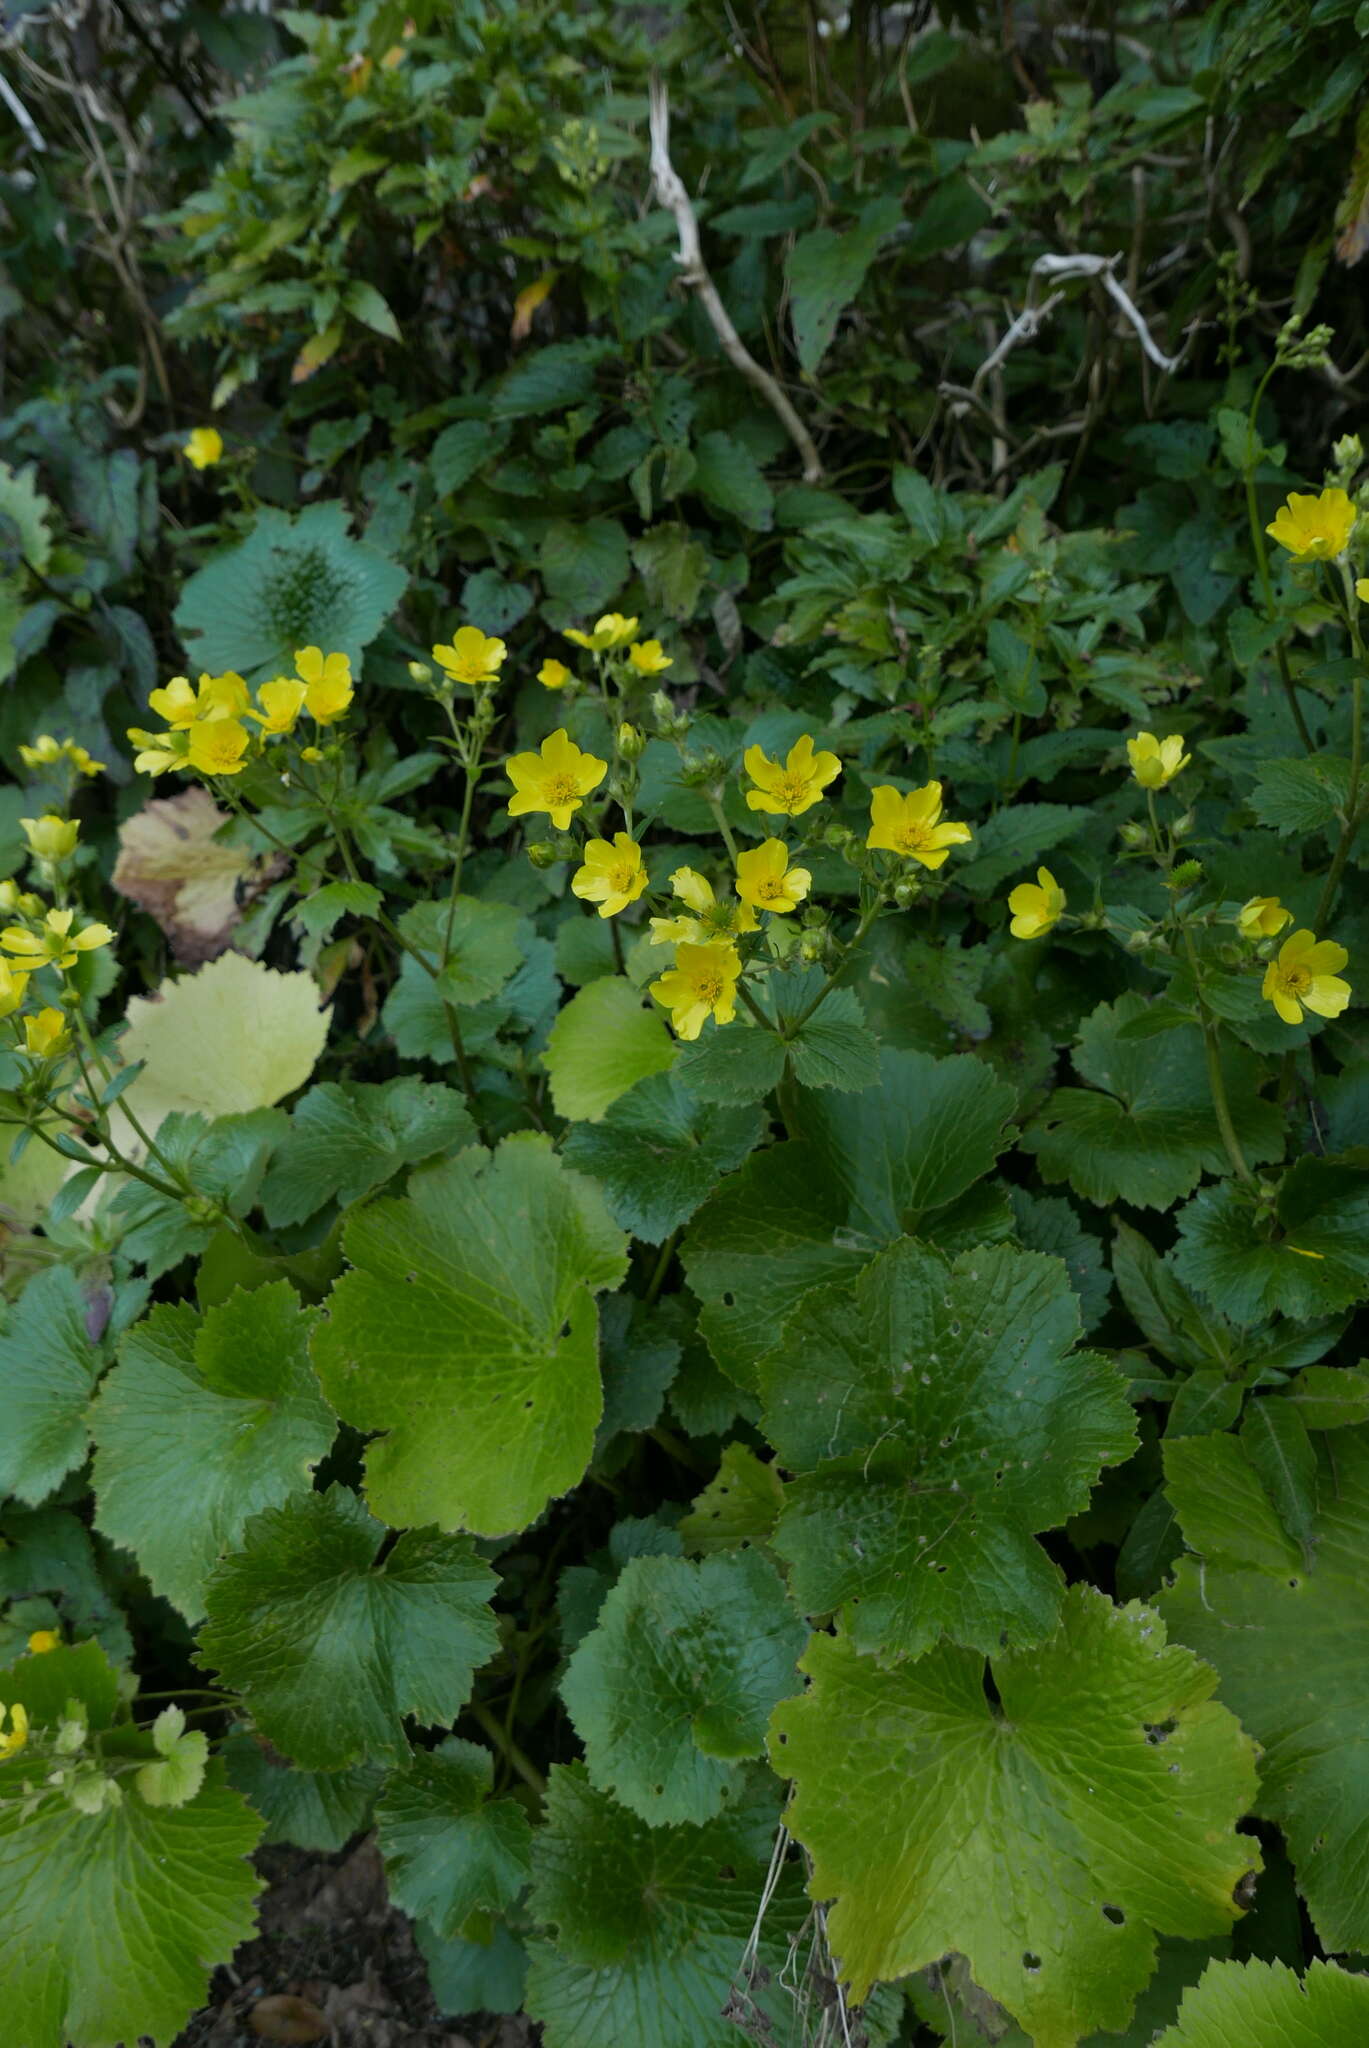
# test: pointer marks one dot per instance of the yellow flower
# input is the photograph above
(766, 881)
(472, 658)
(649, 658)
(556, 780)
(204, 448)
(157, 751)
(225, 696)
(281, 703)
(46, 1034)
(217, 746)
(51, 838)
(44, 751)
(701, 984)
(1156, 762)
(12, 897)
(56, 944)
(328, 680)
(13, 982)
(1315, 529)
(911, 825)
(80, 758)
(796, 786)
(176, 703)
(1036, 906)
(554, 675)
(1305, 977)
(612, 876)
(613, 630)
(11, 1744)
(42, 1640)
(714, 919)
(1263, 917)
(1362, 589)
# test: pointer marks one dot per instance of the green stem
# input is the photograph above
(660, 1269)
(724, 828)
(1216, 1080)
(838, 972)
(1353, 814)
(1252, 511)
(508, 1748)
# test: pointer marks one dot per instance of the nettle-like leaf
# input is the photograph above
(469, 1334)
(1144, 1131)
(114, 1920)
(1292, 1648)
(938, 1417)
(449, 1849)
(347, 1138)
(330, 1649)
(657, 1153)
(650, 1923)
(1047, 1833)
(1309, 1258)
(1270, 2006)
(203, 1422)
(48, 1369)
(672, 1689)
(860, 1171)
(294, 582)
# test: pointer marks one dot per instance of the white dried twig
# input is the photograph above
(21, 114)
(694, 272)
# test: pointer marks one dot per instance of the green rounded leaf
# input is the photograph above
(1292, 1647)
(1312, 1257)
(468, 1333)
(1046, 1833)
(1267, 2005)
(48, 1369)
(202, 1423)
(345, 1139)
(113, 1921)
(603, 1042)
(449, 1849)
(657, 1153)
(938, 1418)
(331, 1649)
(673, 1687)
(860, 1171)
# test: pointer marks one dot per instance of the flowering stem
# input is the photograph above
(838, 972)
(1353, 814)
(1262, 562)
(1216, 1080)
(720, 820)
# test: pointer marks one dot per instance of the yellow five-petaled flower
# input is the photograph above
(556, 780)
(611, 631)
(50, 837)
(204, 447)
(613, 874)
(649, 658)
(766, 881)
(1315, 529)
(11, 1744)
(715, 918)
(55, 944)
(701, 984)
(42, 1640)
(327, 680)
(1263, 917)
(1036, 906)
(473, 658)
(553, 674)
(788, 790)
(46, 1034)
(1305, 976)
(1156, 762)
(912, 825)
(281, 701)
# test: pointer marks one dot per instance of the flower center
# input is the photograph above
(620, 877)
(1297, 980)
(562, 789)
(915, 837)
(709, 989)
(791, 789)
(770, 888)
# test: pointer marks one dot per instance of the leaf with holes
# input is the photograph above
(1293, 1653)
(1047, 1832)
(938, 1417)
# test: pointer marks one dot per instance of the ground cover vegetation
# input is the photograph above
(686, 1174)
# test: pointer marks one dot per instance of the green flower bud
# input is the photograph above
(543, 854)
(1135, 834)
(631, 742)
(420, 673)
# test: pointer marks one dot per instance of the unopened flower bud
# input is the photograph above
(543, 854)
(631, 742)
(812, 947)
(1139, 941)
(1135, 834)
(907, 890)
(1183, 828)
(1186, 874)
(420, 673)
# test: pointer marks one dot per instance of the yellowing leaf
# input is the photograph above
(172, 865)
(235, 1036)
(526, 304)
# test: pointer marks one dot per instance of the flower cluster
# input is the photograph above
(213, 728)
(615, 650)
